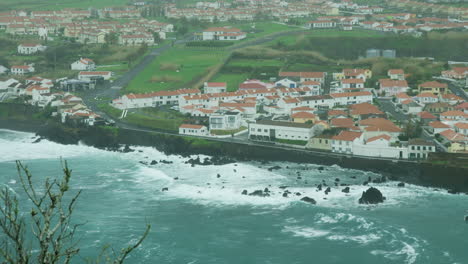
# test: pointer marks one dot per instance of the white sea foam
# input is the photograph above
(19, 146)
(307, 232)
(407, 251)
(361, 239)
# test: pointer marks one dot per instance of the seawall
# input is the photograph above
(443, 175)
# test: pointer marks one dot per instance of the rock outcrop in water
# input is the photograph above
(259, 193)
(371, 196)
(274, 168)
(308, 200)
(345, 190)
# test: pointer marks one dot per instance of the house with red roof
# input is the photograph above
(193, 130)
(400, 97)
(83, 64)
(396, 74)
(343, 142)
(462, 107)
(433, 87)
(462, 128)
(436, 127)
(22, 69)
(456, 73)
(379, 146)
(303, 117)
(426, 98)
(391, 87)
(352, 83)
(426, 117)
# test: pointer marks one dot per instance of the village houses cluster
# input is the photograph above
(295, 111)
(84, 25)
(42, 92)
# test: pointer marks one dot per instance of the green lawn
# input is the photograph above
(162, 119)
(292, 39)
(255, 62)
(162, 74)
(58, 4)
(232, 80)
(226, 132)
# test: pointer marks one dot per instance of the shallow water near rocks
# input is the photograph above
(203, 218)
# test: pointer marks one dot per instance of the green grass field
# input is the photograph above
(291, 40)
(192, 65)
(58, 4)
(232, 80)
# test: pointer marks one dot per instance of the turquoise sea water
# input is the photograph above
(205, 219)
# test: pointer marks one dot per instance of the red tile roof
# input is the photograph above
(191, 126)
(386, 137)
(347, 136)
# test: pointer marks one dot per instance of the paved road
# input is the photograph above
(458, 89)
(388, 107)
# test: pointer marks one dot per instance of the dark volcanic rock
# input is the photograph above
(371, 196)
(283, 187)
(327, 190)
(298, 194)
(127, 149)
(37, 140)
(308, 200)
(345, 190)
(285, 194)
(166, 161)
(401, 184)
(218, 176)
(165, 189)
(153, 162)
(274, 168)
(319, 187)
(321, 168)
(244, 192)
(259, 193)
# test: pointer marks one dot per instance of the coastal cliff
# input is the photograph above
(440, 171)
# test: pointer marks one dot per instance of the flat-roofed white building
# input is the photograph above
(273, 130)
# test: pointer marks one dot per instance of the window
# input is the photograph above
(265, 130)
(259, 130)
(424, 148)
(419, 148)
(412, 147)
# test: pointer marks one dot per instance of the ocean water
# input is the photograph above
(203, 218)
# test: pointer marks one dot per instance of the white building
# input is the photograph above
(273, 130)
(83, 64)
(214, 87)
(154, 99)
(225, 121)
(3, 69)
(22, 69)
(419, 148)
(136, 39)
(352, 98)
(286, 83)
(194, 130)
(90, 75)
(352, 83)
(321, 24)
(391, 87)
(343, 143)
(223, 33)
(379, 146)
(26, 49)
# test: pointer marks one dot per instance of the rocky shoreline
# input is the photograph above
(454, 179)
